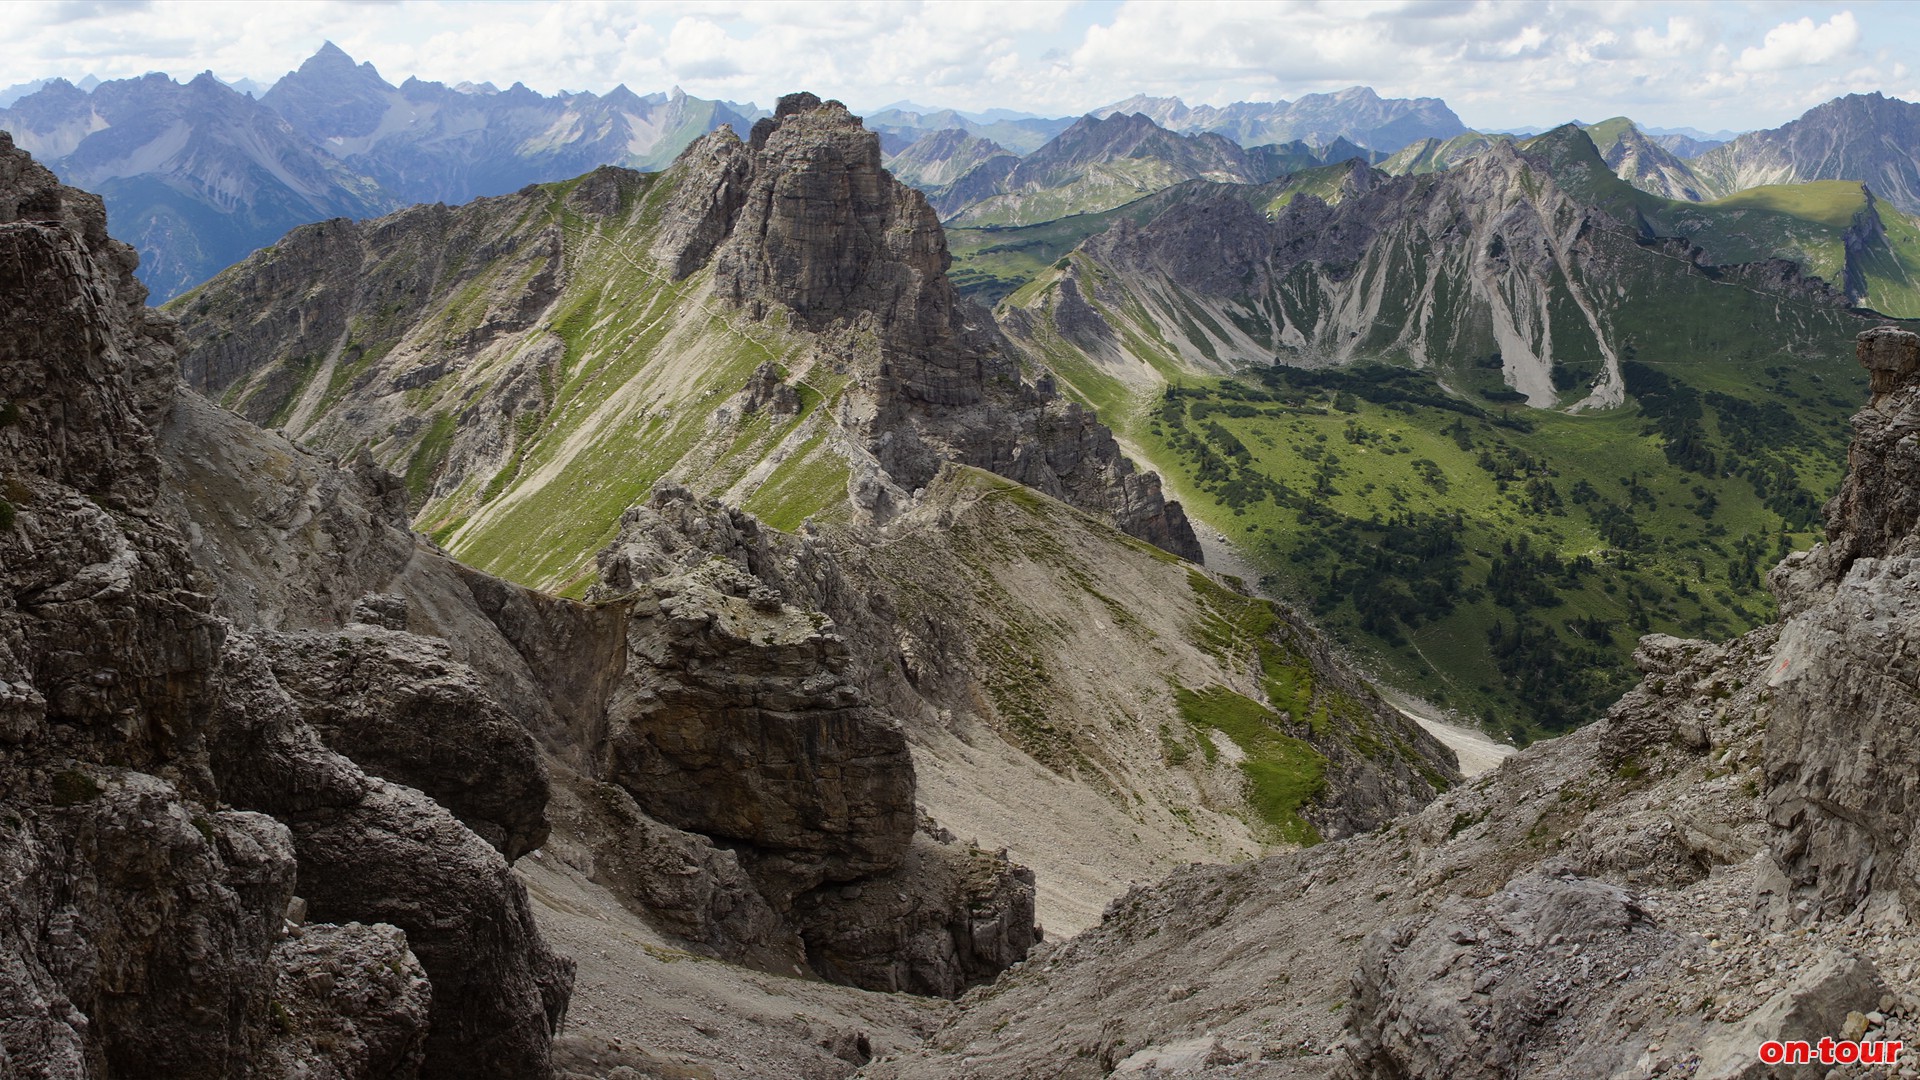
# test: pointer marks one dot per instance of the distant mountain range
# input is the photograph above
(1356, 114)
(199, 175)
(1096, 164)
(1864, 138)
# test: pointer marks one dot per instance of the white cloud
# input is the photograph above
(1498, 63)
(1801, 43)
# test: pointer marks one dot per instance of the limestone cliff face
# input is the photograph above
(1840, 757)
(152, 855)
(818, 230)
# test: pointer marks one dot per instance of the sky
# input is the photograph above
(1707, 65)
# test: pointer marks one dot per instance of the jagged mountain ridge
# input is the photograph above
(901, 127)
(1644, 162)
(1507, 254)
(1097, 164)
(1356, 113)
(942, 157)
(427, 142)
(195, 175)
(200, 175)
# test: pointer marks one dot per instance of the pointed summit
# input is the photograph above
(331, 96)
(330, 55)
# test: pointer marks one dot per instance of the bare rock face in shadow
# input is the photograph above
(169, 793)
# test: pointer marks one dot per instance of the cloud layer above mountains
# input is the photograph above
(1708, 65)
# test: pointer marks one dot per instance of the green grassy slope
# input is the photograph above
(989, 263)
(1498, 559)
(523, 435)
(630, 405)
(1502, 561)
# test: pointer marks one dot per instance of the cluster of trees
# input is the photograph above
(1560, 658)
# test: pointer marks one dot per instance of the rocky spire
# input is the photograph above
(801, 218)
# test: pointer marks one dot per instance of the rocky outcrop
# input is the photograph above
(741, 725)
(139, 917)
(948, 917)
(373, 851)
(740, 721)
(1470, 991)
(826, 233)
(826, 236)
(402, 709)
(170, 793)
(352, 1001)
(1839, 759)
(681, 881)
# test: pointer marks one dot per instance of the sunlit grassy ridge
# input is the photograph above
(520, 450)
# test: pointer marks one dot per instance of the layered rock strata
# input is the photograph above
(1841, 759)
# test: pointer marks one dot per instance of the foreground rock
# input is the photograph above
(170, 794)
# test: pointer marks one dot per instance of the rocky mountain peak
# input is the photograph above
(803, 219)
(824, 232)
(330, 58)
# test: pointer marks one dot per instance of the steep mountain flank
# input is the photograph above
(729, 718)
(812, 361)
(1714, 864)
(481, 350)
(1508, 254)
(939, 158)
(1865, 138)
(1434, 155)
(1644, 163)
